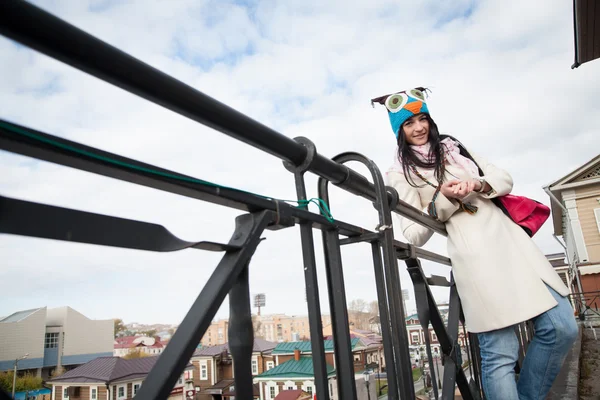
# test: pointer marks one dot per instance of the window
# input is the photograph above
(272, 392)
(51, 340)
(309, 390)
(66, 393)
(357, 357)
(270, 365)
(597, 215)
(121, 392)
(433, 336)
(93, 393)
(136, 387)
(414, 337)
(180, 381)
(254, 366)
(203, 371)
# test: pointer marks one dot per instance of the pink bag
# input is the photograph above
(525, 212)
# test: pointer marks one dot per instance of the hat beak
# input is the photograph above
(414, 107)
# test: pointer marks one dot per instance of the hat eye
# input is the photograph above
(395, 102)
(417, 94)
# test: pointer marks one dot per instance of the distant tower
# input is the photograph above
(259, 301)
(405, 297)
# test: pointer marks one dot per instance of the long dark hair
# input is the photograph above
(408, 157)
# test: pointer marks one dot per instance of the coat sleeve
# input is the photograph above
(500, 181)
(415, 233)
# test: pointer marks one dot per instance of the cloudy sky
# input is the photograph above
(501, 81)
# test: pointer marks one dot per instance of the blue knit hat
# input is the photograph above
(403, 105)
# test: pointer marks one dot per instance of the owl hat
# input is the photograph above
(403, 105)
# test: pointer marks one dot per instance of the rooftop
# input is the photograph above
(306, 347)
(109, 369)
(260, 346)
(292, 395)
(302, 368)
(18, 316)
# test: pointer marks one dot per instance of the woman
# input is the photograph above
(502, 277)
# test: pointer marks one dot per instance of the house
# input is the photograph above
(294, 395)
(367, 352)
(576, 218)
(293, 373)
(213, 367)
(113, 378)
(55, 338)
(416, 336)
(129, 344)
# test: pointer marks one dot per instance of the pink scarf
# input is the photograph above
(451, 151)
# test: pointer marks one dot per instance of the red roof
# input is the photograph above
(127, 342)
(289, 395)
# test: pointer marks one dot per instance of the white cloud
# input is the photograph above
(501, 79)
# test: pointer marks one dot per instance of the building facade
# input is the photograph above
(213, 368)
(273, 328)
(576, 218)
(52, 338)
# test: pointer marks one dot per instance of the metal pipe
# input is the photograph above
(572, 262)
(73, 46)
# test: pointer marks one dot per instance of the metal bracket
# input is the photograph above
(367, 237)
(455, 355)
(283, 216)
(406, 254)
(311, 152)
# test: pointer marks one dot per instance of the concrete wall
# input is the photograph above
(85, 337)
(22, 337)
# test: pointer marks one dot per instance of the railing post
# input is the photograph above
(384, 319)
(169, 367)
(344, 363)
(310, 277)
(241, 335)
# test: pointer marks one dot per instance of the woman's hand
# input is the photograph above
(457, 189)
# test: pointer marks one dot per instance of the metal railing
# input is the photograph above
(586, 304)
(75, 47)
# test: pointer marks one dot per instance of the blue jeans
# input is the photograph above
(555, 333)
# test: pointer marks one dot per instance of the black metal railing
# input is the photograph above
(587, 304)
(75, 47)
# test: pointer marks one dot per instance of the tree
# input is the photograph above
(357, 314)
(25, 382)
(150, 333)
(374, 308)
(119, 327)
(137, 353)
(257, 326)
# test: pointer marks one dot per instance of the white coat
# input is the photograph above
(499, 272)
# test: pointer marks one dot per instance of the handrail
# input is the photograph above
(73, 46)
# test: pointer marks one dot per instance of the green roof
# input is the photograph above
(292, 368)
(306, 348)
